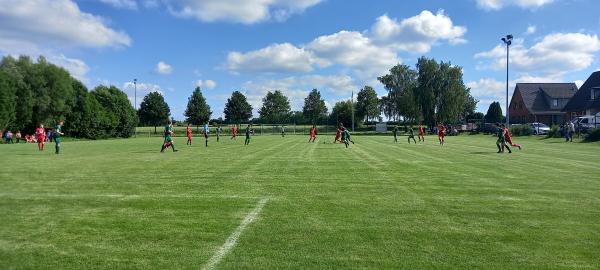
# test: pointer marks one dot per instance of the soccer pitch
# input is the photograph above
(282, 203)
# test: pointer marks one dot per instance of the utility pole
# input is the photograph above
(352, 103)
(508, 41)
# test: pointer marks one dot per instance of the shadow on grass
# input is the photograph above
(483, 153)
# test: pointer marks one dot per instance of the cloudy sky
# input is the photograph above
(335, 46)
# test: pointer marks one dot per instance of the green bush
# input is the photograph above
(593, 135)
(554, 132)
(521, 130)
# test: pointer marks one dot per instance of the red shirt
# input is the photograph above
(313, 131)
(337, 132)
(441, 130)
(188, 131)
(507, 134)
(421, 131)
(40, 132)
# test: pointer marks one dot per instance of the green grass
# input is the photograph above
(120, 204)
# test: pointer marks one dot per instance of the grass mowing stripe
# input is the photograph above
(233, 238)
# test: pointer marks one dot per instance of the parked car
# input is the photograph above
(539, 128)
(587, 122)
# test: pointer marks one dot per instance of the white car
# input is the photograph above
(539, 128)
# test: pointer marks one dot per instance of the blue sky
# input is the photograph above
(335, 46)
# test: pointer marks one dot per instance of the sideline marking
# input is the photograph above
(232, 239)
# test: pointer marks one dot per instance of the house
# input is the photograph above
(587, 100)
(540, 102)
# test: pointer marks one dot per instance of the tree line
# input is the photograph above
(40, 92)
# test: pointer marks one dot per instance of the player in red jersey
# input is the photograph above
(313, 134)
(40, 134)
(508, 137)
(421, 133)
(441, 133)
(338, 135)
(188, 132)
(233, 132)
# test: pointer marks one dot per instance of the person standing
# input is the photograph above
(282, 131)
(206, 131)
(395, 132)
(57, 136)
(9, 137)
(188, 133)
(411, 135)
(40, 134)
(168, 142)
(441, 129)
(18, 136)
(248, 133)
(313, 134)
(234, 133)
(421, 133)
(570, 131)
(218, 132)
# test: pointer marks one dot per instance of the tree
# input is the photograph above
(494, 113)
(7, 100)
(153, 110)
(197, 111)
(401, 85)
(116, 103)
(342, 112)
(237, 108)
(275, 107)
(367, 104)
(314, 107)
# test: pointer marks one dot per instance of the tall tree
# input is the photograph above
(314, 107)
(367, 104)
(275, 107)
(237, 108)
(494, 113)
(197, 111)
(401, 84)
(118, 105)
(8, 101)
(154, 110)
(342, 113)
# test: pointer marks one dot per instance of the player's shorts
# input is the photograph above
(57, 140)
(508, 140)
(41, 139)
(441, 134)
(205, 135)
(421, 134)
(168, 139)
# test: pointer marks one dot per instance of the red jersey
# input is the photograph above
(507, 134)
(441, 130)
(338, 132)
(313, 132)
(421, 131)
(188, 131)
(40, 132)
(234, 131)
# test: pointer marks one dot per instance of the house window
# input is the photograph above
(555, 102)
(595, 93)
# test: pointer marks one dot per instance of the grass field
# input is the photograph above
(120, 204)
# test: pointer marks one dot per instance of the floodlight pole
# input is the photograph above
(508, 41)
(135, 103)
(352, 107)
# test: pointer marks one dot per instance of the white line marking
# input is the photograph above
(232, 239)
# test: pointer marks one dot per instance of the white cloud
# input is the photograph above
(418, 33)
(142, 90)
(163, 68)
(368, 54)
(76, 67)
(56, 23)
(238, 11)
(531, 30)
(122, 4)
(209, 84)
(274, 58)
(354, 50)
(579, 83)
(499, 4)
(555, 55)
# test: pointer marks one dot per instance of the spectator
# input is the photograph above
(570, 131)
(9, 137)
(49, 135)
(18, 136)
